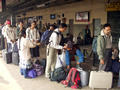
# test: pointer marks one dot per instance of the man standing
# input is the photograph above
(104, 48)
(53, 47)
(10, 35)
(33, 35)
(20, 28)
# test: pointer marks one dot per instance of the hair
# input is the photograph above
(68, 34)
(23, 33)
(52, 25)
(21, 21)
(62, 25)
(76, 46)
(106, 25)
(34, 22)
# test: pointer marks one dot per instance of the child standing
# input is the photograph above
(24, 53)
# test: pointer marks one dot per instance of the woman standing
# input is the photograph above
(33, 34)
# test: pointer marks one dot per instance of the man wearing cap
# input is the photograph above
(9, 34)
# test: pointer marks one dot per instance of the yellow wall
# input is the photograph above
(95, 7)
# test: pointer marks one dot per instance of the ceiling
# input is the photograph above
(18, 6)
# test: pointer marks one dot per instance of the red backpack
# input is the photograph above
(73, 79)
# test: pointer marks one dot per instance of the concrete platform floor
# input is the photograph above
(10, 79)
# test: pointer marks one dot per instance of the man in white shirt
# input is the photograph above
(33, 34)
(10, 35)
(53, 47)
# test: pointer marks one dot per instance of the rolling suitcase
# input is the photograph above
(15, 58)
(8, 57)
(2, 45)
(100, 79)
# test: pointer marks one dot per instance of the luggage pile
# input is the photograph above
(11, 56)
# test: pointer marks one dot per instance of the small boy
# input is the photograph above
(24, 53)
(74, 51)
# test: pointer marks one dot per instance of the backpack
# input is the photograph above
(32, 73)
(39, 69)
(73, 79)
(94, 44)
(45, 37)
(58, 74)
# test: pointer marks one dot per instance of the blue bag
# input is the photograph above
(32, 73)
(115, 66)
(45, 37)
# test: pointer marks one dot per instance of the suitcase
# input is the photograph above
(100, 79)
(84, 76)
(15, 48)
(2, 44)
(15, 58)
(8, 57)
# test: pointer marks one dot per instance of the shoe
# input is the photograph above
(47, 76)
(64, 82)
(74, 86)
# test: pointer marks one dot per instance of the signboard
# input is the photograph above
(82, 16)
(113, 6)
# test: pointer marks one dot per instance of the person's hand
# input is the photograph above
(12, 41)
(65, 47)
(119, 60)
(68, 67)
(33, 40)
(38, 44)
(113, 58)
(37, 41)
(101, 61)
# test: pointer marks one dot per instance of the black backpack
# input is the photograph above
(58, 74)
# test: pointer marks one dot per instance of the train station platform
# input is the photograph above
(10, 79)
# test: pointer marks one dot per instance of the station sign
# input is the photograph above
(113, 6)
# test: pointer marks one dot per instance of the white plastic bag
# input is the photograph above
(60, 60)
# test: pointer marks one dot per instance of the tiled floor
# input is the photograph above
(10, 79)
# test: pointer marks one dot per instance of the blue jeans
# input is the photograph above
(24, 72)
(78, 53)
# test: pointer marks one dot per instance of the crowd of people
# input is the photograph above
(28, 41)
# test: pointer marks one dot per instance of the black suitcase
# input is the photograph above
(15, 58)
(8, 57)
(2, 44)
